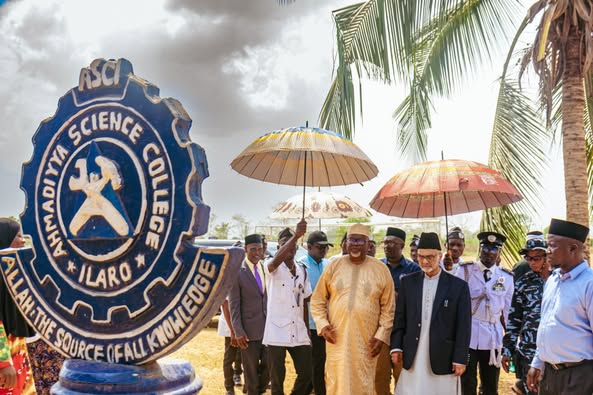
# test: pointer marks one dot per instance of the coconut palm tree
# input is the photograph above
(432, 46)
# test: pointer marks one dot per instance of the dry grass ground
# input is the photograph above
(206, 350)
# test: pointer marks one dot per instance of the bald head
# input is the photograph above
(565, 252)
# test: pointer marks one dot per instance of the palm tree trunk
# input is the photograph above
(573, 133)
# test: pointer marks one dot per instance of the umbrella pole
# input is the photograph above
(304, 184)
(446, 217)
(446, 220)
(319, 190)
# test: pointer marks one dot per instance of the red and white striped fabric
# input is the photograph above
(419, 192)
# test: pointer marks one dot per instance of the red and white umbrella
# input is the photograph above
(421, 191)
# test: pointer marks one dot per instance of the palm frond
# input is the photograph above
(555, 123)
(413, 116)
(439, 62)
(337, 113)
(517, 150)
(458, 42)
(589, 142)
(361, 32)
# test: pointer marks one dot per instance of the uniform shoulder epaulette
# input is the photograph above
(466, 263)
(507, 271)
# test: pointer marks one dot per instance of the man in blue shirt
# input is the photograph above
(315, 262)
(393, 245)
(564, 356)
(399, 266)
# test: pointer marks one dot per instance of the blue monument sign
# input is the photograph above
(113, 194)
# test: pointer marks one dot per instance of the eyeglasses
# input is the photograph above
(534, 258)
(427, 257)
(354, 241)
(534, 243)
(490, 248)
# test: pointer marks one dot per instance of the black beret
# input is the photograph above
(396, 232)
(254, 238)
(491, 238)
(568, 229)
(429, 241)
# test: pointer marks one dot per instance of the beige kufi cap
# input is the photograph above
(359, 229)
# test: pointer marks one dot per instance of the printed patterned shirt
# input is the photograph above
(524, 316)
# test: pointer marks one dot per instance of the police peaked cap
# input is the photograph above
(568, 229)
(491, 238)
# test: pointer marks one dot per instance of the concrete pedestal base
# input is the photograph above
(167, 376)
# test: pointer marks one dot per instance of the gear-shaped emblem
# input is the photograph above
(113, 201)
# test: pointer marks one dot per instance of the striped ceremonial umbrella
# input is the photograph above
(304, 156)
(422, 190)
(321, 205)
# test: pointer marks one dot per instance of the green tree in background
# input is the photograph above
(221, 230)
(432, 46)
(240, 225)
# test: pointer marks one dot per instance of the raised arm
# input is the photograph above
(284, 251)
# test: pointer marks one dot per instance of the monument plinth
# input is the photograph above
(113, 202)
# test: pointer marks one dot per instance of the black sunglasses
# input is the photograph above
(490, 248)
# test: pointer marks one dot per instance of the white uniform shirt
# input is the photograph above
(286, 293)
(490, 300)
(223, 327)
(454, 268)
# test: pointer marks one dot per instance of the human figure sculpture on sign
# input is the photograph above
(96, 204)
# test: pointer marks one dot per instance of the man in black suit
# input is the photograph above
(248, 301)
(432, 325)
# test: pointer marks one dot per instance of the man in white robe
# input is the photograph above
(432, 326)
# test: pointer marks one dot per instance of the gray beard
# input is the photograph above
(426, 269)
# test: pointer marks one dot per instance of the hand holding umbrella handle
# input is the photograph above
(301, 228)
(448, 261)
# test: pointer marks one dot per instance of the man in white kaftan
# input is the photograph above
(432, 326)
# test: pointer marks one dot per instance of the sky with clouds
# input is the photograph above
(240, 68)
